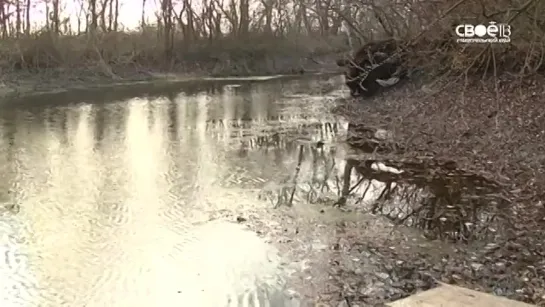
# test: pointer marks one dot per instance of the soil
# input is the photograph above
(480, 131)
(354, 259)
(22, 83)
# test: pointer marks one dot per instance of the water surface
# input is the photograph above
(120, 203)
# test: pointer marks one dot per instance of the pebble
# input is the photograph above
(383, 275)
(344, 303)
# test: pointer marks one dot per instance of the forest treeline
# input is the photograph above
(240, 32)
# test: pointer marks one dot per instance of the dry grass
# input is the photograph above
(112, 53)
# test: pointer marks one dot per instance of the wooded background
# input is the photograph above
(189, 30)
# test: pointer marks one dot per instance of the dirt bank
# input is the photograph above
(17, 83)
(476, 149)
(48, 62)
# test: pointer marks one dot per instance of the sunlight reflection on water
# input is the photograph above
(109, 195)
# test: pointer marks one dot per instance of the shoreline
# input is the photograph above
(68, 92)
(410, 270)
(17, 85)
(481, 142)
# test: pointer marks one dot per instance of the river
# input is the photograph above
(182, 197)
(126, 203)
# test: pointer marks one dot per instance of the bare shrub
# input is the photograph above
(233, 37)
(426, 29)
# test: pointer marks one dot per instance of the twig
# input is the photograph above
(452, 8)
(297, 170)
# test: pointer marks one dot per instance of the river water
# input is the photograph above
(134, 202)
(211, 194)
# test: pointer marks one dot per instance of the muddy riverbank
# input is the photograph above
(476, 153)
(26, 82)
(348, 256)
(153, 174)
(241, 143)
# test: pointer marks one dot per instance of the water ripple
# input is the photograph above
(124, 203)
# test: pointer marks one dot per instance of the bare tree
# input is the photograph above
(168, 27)
(92, 16)
(18, 22)
(143, 20)
(27, 30)
(55, 16)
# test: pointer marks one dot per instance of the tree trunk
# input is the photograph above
(93, 15)
(244, 23)
(110, 15)
(166, 10)
(116, 15)
(4, 20)
(18, 22)
(102, 15)
(27, 30)
(143, 21)
(55, 17)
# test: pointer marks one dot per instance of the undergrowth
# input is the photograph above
(108, 52)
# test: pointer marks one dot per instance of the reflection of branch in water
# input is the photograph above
(347, 190)
(329, 129)
(314, 152)
(315, 167)
(369, 184)
(329, 170)
(297, 170)
(432, 195)
(386, 194)
(276, 194)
